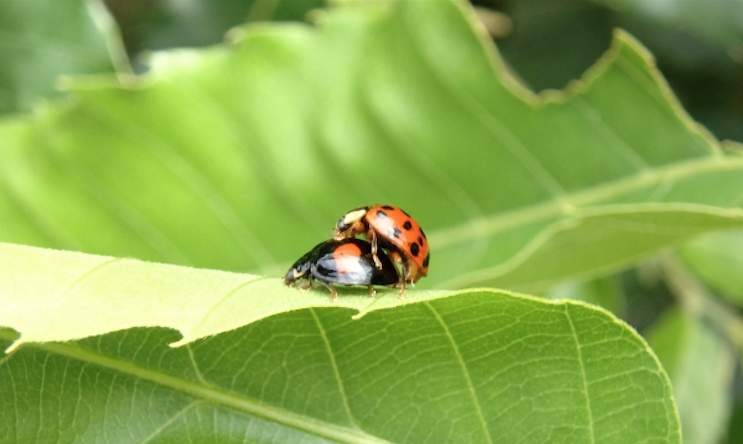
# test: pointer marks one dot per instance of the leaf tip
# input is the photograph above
(14, 346)
(183, 341)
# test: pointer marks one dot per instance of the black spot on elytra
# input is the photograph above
(420, 241)
(425, 261)
(424, 234)
(396, 233)
(414, 249)
(388, 208)
(407, 225)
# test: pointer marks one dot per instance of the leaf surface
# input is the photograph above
(242, 157)
(51, 295)
(484, 366)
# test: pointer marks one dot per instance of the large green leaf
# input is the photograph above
(41, 40)
(478, 366)
(85, 295)
(242, 157)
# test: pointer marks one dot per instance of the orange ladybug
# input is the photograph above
(390, 228)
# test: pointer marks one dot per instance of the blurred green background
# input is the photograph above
(698, 45)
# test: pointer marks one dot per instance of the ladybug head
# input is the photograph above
(291, 276)
(299, 269)
(351, 223)
(295, 273)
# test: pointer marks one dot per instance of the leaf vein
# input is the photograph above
(579, 352)
(505, 220)
(195, 180)
(334, 365)
(170, 421)
(510, 141)
(465, 372)
(211, 394)
(614, 142)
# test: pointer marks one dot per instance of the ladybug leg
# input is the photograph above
(410, 269)
(372, 235)
(333, 291)
(340, 235)
(304, 285)
(372, 292)
(397, 259)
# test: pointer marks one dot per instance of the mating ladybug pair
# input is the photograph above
(392, 238)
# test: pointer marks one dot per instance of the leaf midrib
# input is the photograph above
(465, 373)
(584, 377)
(205, 393)
(503, 221)
(491, 273)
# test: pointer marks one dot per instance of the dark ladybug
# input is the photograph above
(347, 262)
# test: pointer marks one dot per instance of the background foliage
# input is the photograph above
(420, 81)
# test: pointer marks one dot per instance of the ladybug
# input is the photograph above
(347, 262)
(390, 228)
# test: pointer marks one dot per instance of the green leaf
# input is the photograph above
(86, 295)
(718, 259)
(41, 40)
(241, 158)
(700, 363)
(473, 366)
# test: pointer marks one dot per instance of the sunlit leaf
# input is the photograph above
(468, 367)
(242, 157)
